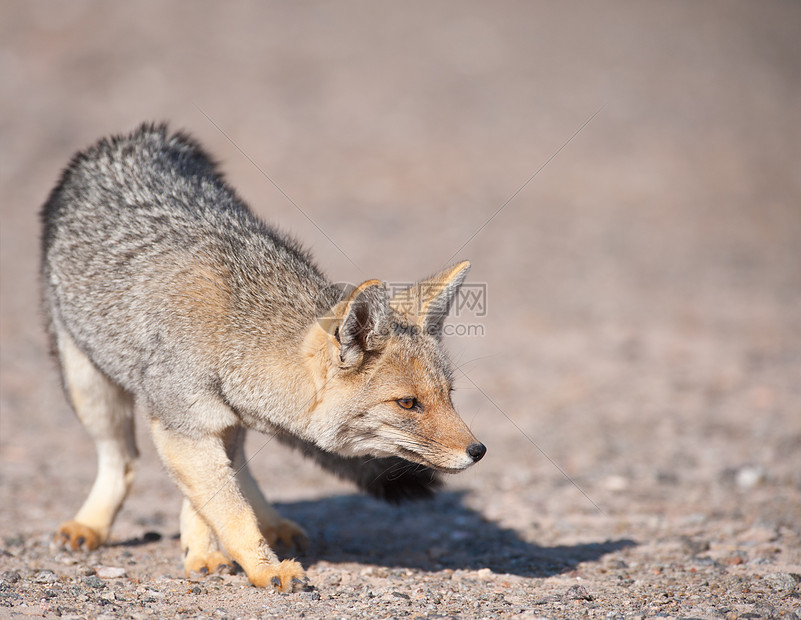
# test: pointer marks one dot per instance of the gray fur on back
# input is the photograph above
(130, 219)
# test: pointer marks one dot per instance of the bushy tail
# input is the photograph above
(392, 479)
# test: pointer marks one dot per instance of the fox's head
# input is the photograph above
(386, 388)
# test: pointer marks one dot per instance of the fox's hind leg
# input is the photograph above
(273, 526)
(106, 410)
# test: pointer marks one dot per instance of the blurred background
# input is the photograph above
(624, 176)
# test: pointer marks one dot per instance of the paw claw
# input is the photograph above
(224, 569)
(205, 564)
(287, 576)
(300, 584)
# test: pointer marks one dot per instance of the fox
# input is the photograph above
(163, 292)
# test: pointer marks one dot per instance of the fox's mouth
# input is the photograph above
(415, 457)
(392, 441)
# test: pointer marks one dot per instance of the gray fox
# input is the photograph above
(162, 289)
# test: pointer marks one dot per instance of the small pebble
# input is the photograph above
(10, 576)
(94, 581)
(783, 582)
(615, 483)
(110, 572)
(577, 593)
(46, 576)
(749, 477)
(694, 545)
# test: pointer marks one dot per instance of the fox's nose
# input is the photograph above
(476, 451)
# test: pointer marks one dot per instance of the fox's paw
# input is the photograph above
(75, 535)
(287, 533)
(206, 563)
(288, 576)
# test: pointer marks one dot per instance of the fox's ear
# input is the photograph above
(365, 324)
(430, 300)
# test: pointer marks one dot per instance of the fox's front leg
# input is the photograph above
(275, 528)
(199, 545)
(203, 471)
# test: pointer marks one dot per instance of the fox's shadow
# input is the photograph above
(430, 535)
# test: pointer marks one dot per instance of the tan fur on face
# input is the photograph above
(439, 435)
(363, 404)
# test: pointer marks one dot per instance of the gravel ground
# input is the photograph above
(634, 365)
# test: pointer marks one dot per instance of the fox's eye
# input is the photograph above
(407, 403)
